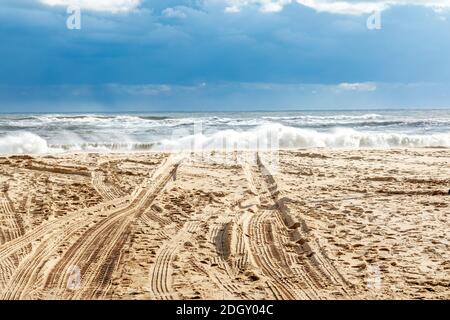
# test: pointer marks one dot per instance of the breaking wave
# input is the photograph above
(271, 136)
(23, 143)
(280, 136)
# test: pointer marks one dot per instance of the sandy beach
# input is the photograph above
(298, 224)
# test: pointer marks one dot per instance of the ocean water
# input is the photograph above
(119, 132)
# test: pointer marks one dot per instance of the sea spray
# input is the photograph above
(109, 132)
(22, 143)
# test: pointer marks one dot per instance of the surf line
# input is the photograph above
(186, 310)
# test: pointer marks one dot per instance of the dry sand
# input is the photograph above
(306, 224)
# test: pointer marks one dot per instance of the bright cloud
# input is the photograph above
(173, 13)
(366, 86)
(113, 6)
(264, 5)
(350, 7)
(345, 7)
(361, 7)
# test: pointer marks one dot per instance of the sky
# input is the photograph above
(223, 55)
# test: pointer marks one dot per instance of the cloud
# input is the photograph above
(143, 90)
(344, 7)
(113, 6)
(173, 13)
(363, 7)
(264, 5)
(347, 7)
(366, 86)
(296, 45)
(218, 97)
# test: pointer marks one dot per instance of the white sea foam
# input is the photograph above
(116, 133)
(280, 136)
(22, 143)
(368, 116)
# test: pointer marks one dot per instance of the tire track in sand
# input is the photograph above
(11, 227)
(28, 272)
(72, 226)
(108, 192)
(303, 271)
(262, 243)
(161, 272)
(97, 251)
(52, 226)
